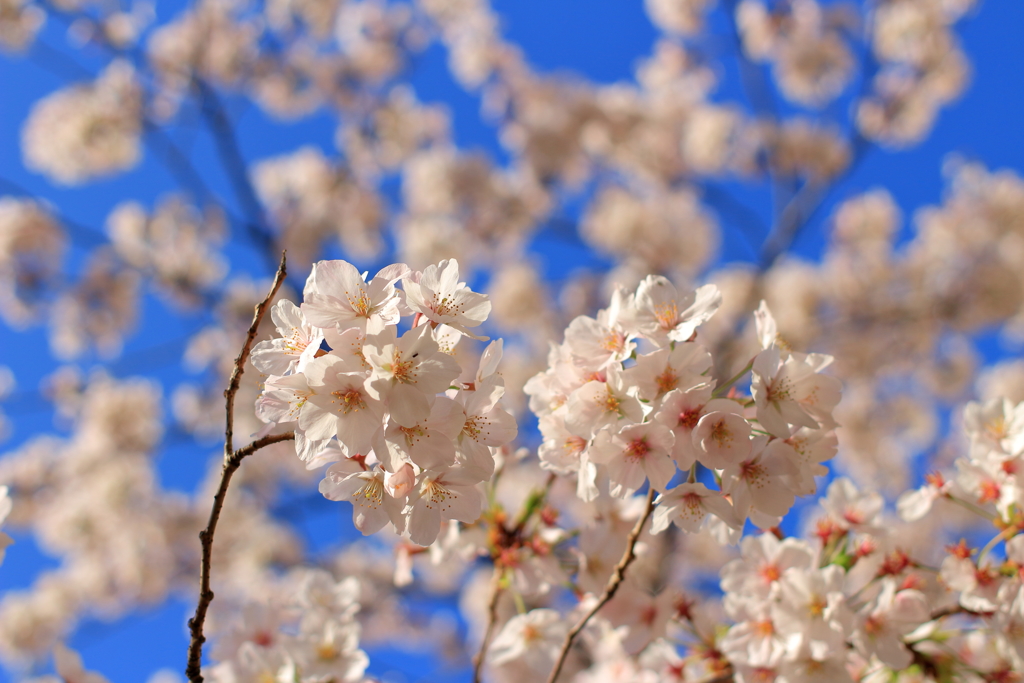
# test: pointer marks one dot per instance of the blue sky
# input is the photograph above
(601, 40)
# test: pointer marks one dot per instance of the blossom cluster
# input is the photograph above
(613, 410)
(305, 631)
(847, 602)
(409, 429)
(381, 378)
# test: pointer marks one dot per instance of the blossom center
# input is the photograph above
(989, 491)
(667, 381)
(438, 495)
(613, 341)
(349, 400)
(574, 445)
(667, 315)
(770, 572)
(413, 434)
(637, 449)
(371, 494)
(471, 429)
(327, 652)
(610, 402)
(778, 391)
(402, 370)
(816, 607)
(721, 434)
(689, 418)
(360, 304)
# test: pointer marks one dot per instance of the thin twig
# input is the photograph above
(243, 355)
(492, 621)
(609, 591)
(195, 647)
(232, 461)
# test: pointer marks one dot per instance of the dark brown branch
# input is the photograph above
(492, 621)
(243, 355)
(232, 461)
(195, 625)
(609, 591)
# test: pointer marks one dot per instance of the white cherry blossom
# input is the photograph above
(598, 404)
(851, 509)
(680, 411)
(722, 434)
(663, 314)
(598, 343)
(688, 505)
(337, 296)
(373, 506)
(428, 444)
(792, 391)
(349, 410)
(532, 638)
(812, 612)
(998, 423)
(764, 559)
(437, 294)
(634, 454)
(440, 495)
(758, 481)
(665, 370)
(407, 370)
(297, 345)
(883, 623)
(485, 425)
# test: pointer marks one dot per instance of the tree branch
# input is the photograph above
(232, 461)
(243, 355)
(195, 625)
(492, 621)
(609, 591)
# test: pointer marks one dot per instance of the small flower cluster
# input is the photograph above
(87, 131)
(797, 608)
(310, 636)
(988, 588)
(608, 412)
(409, 429)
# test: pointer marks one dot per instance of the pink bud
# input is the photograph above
(401, 482)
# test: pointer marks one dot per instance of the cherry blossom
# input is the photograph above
(533, 638)
(664, 315)
(597, 343)
(348, 410)
(681, 411)
(722, 434)
(337, 296)
(373, 505)
(883, 623)
(441, 298)
(297, 345)
(665, 370)
(634, 454)
(688, 505)
(406, 371)
(440, 495)
(792, 391)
